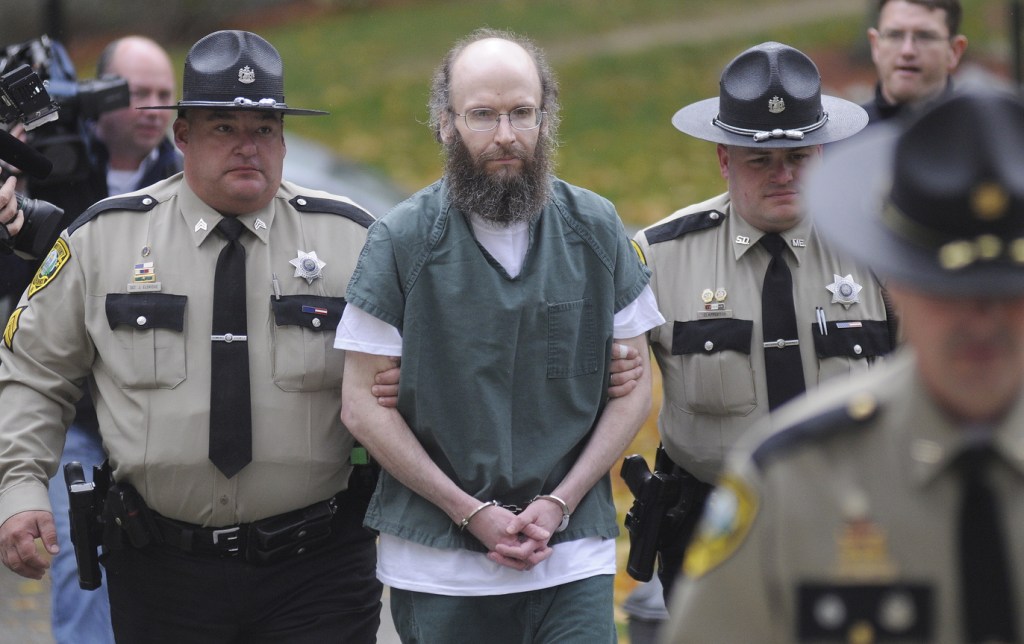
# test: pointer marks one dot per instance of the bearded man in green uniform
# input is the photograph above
(501, 288)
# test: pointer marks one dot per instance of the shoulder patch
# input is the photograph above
(687, 224)
(332, 206)
(859, 409)
(48, 270)
(730, 512)
(12, 327)
(139, 203)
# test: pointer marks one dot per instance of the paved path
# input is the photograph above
(25, 612)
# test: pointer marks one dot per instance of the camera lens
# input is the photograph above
(42, 225)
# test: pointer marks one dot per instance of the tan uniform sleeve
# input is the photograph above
(44, 358)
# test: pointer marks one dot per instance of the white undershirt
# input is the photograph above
(120, 182)
(411, 566)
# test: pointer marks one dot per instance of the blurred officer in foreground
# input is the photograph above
(758, 307)
(891, 507)
(204, 308)
(131, 149)
(916, 47)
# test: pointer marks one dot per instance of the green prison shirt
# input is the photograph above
(503, 379)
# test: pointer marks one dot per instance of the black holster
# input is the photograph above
(668, 502)
(85, 513)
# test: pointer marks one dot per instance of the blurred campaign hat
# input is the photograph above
(235, 70)
(938, 206)
(770, 96)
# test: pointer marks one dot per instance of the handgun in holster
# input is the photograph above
(85, 512)
(654, 494)
(126, 516)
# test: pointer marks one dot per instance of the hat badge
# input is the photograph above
(989, 201)
(776, 105)
(246, 75)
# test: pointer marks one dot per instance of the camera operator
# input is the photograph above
(129, 149)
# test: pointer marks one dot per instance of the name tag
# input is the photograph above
(714, 315)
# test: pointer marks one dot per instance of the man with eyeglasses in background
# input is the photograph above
(501, 288)
(916, 48)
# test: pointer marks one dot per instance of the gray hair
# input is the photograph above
(440, 86)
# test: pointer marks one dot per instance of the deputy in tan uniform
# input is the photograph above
(260, 540)
(709, 265)
(891, 507)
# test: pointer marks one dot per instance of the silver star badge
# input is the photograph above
(844, 290)
(307, 265)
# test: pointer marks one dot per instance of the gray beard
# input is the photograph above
(503, 199)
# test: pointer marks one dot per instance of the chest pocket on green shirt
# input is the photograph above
(303, 342)
(718, 378)
(149, 346)
(572, 339)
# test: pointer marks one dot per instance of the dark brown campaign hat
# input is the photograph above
(234, 70)
(938, 206)
(770, 97)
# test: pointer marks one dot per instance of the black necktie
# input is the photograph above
(230, 408)
(987, 592)
(784, 371)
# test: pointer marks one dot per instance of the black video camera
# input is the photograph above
(23, 97)
(38, 87)
(61, 140)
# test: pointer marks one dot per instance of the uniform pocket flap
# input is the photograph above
(852, 339)
(146, 310)
(313, 312)
(711, 336)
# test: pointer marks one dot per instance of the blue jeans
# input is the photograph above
(77, 616)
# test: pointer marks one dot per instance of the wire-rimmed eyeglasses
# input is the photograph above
(484, 119)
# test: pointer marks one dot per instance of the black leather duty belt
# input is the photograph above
(261, 542)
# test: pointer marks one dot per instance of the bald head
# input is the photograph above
(487, 47)
(131, 134)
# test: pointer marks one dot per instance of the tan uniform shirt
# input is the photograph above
(127, 298)
(842, 524)
(708, 270)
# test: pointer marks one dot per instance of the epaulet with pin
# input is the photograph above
(137, 203)
(303, 203)
(686, 224)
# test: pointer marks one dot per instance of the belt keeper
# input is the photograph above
(469, 517)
